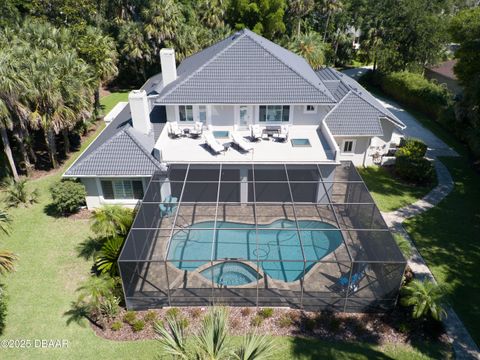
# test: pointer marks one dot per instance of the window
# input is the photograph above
(348, 146)
(122, 189)
(310, 109)
(185, 112)
(274, 113)
(202, 113)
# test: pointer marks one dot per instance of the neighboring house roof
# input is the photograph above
(119, 150)
(357, 111)
(445, 69)
(245, 69)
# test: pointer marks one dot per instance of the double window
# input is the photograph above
(348, 146)
(274, 113)
(185, 112)
(122, 189)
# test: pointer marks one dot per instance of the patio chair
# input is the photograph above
(358, 273)
(168, 206)
(283, 134)
(240, 142)
(174, 130)
(212, 142)
(255, 132)
(197, 130)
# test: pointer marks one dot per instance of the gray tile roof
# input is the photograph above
(354, 116)
(358, 112)
(245, 69)
(119, 150)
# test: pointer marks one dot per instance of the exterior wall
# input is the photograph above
(222, 116)
(358, 156)
(300, 118)
(94, 198)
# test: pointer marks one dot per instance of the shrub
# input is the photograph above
(117, 325)
(138, 325)
(184, 323)
(246, 311)
(109, 307)
(111, 220)
(130, 317)
(106, 260)
(285, 321)
(309, 324)
(150, 316)
(196, 313)
(416, 170)
(16, 193)
(425, 298)
(265, 313)
(257, 320)
(68, 196)
(173, 313)
(413, 148)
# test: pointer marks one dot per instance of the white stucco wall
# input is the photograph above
(358, 155)
(302, 118)
(94, 198)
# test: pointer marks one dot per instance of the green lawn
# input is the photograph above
(50, 269)
(109, 101)
(388, 192)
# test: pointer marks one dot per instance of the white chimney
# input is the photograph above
(169, 68)
(140, 111)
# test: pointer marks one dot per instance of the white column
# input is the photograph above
(244, 185)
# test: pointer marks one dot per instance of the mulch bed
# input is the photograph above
(82, 214)
(396, 327)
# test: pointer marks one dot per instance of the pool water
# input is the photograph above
(276, 246)
(231, 273)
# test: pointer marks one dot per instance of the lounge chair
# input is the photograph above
(255, 132)
(197, 129)
(358, 273)
(283, 134)
(212, 142)
(174, 130)
(239, 140)
(168, 206)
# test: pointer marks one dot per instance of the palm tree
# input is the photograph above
(5, 222)
(212, 341)
(299, 9)
(107, 258)
(7, 261)
(6, 123)
(100, 53)
(311, 47)
(16, 193)
(331, 7)
(212, 13)
(425, 297)
(111, 221)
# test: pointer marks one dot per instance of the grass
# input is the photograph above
(109, 101)
(50, 269)
(388, 192)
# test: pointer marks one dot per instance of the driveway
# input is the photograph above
(436, 147)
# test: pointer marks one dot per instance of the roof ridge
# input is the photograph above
(249, 33)
(235, 40)
(135, 140)
(337, 105)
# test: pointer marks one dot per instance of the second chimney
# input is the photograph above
(169, 68)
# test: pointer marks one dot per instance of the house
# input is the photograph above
(241, 81)
(443, 73)
(244, 161)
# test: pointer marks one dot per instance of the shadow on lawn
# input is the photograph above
(89, 248)
(313, 349)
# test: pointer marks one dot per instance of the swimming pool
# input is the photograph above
(276, 246)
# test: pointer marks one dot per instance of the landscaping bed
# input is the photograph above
(382, 329)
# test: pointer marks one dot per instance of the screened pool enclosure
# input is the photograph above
(303, 236)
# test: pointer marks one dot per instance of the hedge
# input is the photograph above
(413, 90)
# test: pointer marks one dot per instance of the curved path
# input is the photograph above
(463, 344)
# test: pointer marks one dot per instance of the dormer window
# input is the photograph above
(310, 109)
